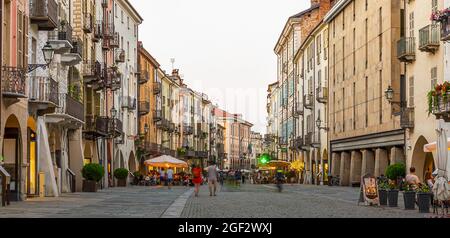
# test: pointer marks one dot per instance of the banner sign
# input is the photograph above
(369, 191)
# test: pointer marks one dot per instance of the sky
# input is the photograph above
(223, 48)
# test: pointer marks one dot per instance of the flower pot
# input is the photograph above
(424, 202)
(410, 200)
(121, 183)
(393, 198)
(89, 186)
(383, 197)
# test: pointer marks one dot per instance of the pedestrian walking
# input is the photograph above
(197, 180)
(212, 178)
(162, 175)
(243, 178)
(238, 177)
(169, 177)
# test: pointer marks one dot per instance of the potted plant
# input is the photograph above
(92, 174)
(121, 175)
(393, 173)
(383, 188)
(409, 196)
(424, 198)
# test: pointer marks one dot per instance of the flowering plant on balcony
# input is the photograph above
(441, 15)
(433, 96)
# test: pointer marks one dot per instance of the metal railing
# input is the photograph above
(322, 94)
(406, 49)
(115, 127)
(308, 101)
(429, 38)
(407, 118)
(71, 177)
(96, 125)
(44, 13)
(98, 31)
(120, 56)
(114, 42)
(299, 109)
(5, 179)
(157, 86)
(77, 44)
(188, 130)
(13, 82)
(157, 115)
(144, 107)
(92, 68)
(44, 89)
(129, 102)
(144, 76)
(63, 33)
(445, 29)
(70, 106)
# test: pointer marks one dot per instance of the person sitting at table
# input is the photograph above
(412, 179)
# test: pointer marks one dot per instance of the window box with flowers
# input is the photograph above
(438, 101)
(443, 17)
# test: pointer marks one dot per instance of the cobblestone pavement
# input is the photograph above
(248, 201)
(296, 201)
(131, 202)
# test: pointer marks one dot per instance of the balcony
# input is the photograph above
(157, 115)
(407, 118)
(114, 42)
(406, 49)
(120, 56)
(144, 108)
(13, 82)
(152, 148)
(308, 101)
(88, 24)
(115, 127)
(95, 127)
(113, 79)
(75, 55)
(144, 76)
(445, 29)
(322, 95)
(98, 31)
(298, 110)
(201, 154)
(129, 103)
(71, 107)
(163, 124)
(44, 13)
(298, 143)
(188, 130)
(165, 150)
(268, 138)
(61, 39)
(190, 153)
(92, 71)
(429, 38)
(309, 139)
(157, 87)
(43, 92)
(171, 128)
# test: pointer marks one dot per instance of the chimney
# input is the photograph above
(314, 2)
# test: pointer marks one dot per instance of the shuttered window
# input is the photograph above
(411, 91)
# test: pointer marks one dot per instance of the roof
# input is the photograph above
(148, 55)
(294, 17)
(135, 13)
(336, 9)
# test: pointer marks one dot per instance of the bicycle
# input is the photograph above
(335, 181)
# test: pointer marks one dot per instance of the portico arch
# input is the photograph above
(423, 162)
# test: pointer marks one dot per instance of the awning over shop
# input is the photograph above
(166, 161)
(433, 146)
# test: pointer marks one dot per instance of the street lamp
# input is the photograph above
(48, 53)
(389, 95)
(319, 125)
(113, 112)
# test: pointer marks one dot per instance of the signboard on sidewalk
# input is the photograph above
(369, 191)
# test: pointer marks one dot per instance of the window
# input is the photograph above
(411, 91)
(411, 24)
(354, 10)
(367, 41)
(121, 13)
(128, 22)
(20, 39)
(319, 48)
(367, 101)
(433, 77)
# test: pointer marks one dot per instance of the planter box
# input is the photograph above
(393, 198)
(424, 202)
(410, 200)
(383, 197)
(121, 183)
(89, 186)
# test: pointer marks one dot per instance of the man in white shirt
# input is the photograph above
(169, 177)
(212, 178)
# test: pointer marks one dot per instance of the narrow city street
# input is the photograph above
(248, 201)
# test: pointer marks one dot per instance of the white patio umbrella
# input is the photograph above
(441, 187)
(166, 161)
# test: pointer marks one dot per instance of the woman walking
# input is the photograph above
(197, 180)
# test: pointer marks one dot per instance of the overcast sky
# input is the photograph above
(222, 47)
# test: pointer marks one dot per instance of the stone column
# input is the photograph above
(345, 169)
(381, 162)
(335, 164)
(355, 167)
(397, 156)
(368, 162)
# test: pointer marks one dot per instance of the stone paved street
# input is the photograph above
(248, 201)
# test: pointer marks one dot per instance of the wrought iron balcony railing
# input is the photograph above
(92, 71)
(308, 101)
(129, 102)
(298, 110)
(44, 13)
(157, 115)
(406, 49)
(157, 87)
(13, 82)
(77, 44)
(188, 130)
(445, 29)
(144, 76)
(98, 31)
(322, 94)
(114, 42)
(44, 90)
(309, 139)
(115, 127)
(429, 38)
(144, 108)
(95, 127)
(120, 56)
(63, 33)
(68, 105)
